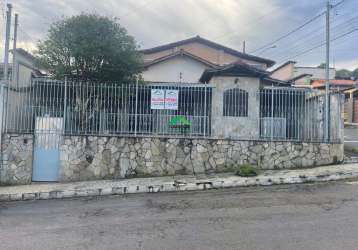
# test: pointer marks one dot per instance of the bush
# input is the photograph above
(247, 171)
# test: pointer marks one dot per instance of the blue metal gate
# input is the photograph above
(46, 151)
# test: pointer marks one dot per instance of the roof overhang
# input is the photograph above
(211, 44)
(241, 69)
(177, 54)
(283, 65)
(299, 77)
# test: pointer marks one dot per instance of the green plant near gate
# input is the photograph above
(181, 123)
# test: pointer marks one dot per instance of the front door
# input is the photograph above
(46, 149)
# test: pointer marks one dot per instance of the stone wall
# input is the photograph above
(90, 158)
(16, 167)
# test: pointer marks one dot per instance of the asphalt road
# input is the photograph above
(315, 216)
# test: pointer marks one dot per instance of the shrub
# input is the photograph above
(247, 171)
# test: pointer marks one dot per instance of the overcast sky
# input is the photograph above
(229, 22)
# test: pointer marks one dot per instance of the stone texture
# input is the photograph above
(131, 157)
(94, 158)
(17, 152)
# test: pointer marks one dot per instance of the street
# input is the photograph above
(312, 216)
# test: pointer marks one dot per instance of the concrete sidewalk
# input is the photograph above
(176, 183)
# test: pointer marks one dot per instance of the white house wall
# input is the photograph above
(22, 71)
(177, 69)
(317, 73)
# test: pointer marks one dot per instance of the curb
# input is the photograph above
(184, 184)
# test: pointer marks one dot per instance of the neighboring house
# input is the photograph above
(186, 60)
(337, 84)
(351, 104)
(24, 69)
(300, 76)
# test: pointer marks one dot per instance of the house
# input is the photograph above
(23, 70)
(351, 104)
(235, 78)
(232, 111)
(336, 84)
(186, 60)
(300, 76)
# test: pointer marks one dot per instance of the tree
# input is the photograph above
(343, 74)
(322, 66)
(355, 73)
(90, 47)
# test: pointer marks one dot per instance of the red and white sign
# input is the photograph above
(164, 99)
(171, 99)
(157, 99)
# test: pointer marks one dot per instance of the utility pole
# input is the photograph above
(5, 77)
(326, 124)
(14, 52)
(7, 41)
(244, 47)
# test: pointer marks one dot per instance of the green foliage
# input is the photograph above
(247, 171)
(322, 66)
(90, 47)
(179, 120)
(355, 73)
(343, 74)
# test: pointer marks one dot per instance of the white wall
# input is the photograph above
(235, 127)
(317, 73)
(24, 67)
(284, 73)
(170, 70)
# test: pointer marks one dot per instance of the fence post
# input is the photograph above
(1, 117)
(65, 106)
(136, 107)
(205, 108)
(272, 113)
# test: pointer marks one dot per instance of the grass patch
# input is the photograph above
(247, 171)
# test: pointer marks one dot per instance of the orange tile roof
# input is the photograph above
(321, 82)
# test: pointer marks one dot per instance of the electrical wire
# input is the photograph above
(304, 41)
(321, 45)
(295, 29)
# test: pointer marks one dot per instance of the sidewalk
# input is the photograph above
(171, 184)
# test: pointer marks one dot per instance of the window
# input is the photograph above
(235, 102)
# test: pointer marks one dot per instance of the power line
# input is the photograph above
(248, 23)
(322, 44)
(31, 38)
(296, 29)
(297, 44)
(289, 33)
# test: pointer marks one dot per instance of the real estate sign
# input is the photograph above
(164, 99)
(157, 99)
(171, 99)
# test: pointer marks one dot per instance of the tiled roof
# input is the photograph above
(179, 53)
(336, 82)
(209, 43)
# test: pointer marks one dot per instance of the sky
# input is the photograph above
(228, 22)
